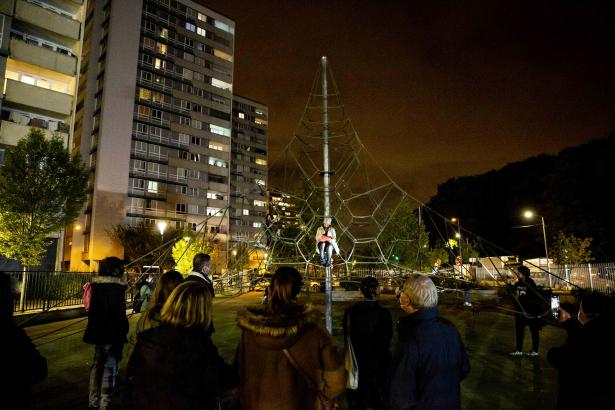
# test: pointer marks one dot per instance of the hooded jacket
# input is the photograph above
(177, 368)
(107, 322)
(267, 378)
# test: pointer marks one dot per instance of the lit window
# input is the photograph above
(224, 26)
(220, 130)
(143, 111)
(260, 182)
(217, 147)
(152, 186)
(241, 115)
(246, 212)
(221, 84)
(201, 16)
(190, 26)
(259, 203)
(223, 55)
(160, 64)
(201, 31)
(28, 80)
(260, 122)
(257, 224)
(213, 211)
(161, 48)
(145, 94)
(260, 161)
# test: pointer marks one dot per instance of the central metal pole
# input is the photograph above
(327, 193)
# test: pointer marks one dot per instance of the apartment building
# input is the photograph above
(40, 45)
(153, 120)
(248, 174)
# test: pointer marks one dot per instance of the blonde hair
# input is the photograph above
(165, 285)
(421, 291)
(189, 305)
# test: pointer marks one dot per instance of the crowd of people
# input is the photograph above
(285, 358)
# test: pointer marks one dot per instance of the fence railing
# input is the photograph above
(599, 276)
(48, 290)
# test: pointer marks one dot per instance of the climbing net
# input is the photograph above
(363, 198)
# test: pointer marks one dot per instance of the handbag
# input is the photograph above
(327, 403)
(350, 361)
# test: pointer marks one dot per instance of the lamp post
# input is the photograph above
(458, 236)
(529, 215)
(162, 226)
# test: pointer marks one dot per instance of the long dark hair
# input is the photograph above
(284, 288)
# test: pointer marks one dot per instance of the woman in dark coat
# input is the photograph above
(370, 328)
(21, 364)
(176, 365)
(107, 329)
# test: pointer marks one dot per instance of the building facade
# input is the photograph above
(40, 47)
(153, 121)
(248, 182)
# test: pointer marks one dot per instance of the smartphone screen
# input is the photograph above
(555, 306)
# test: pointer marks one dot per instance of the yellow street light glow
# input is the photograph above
(528, 214)
(77, 227)
(162, 225)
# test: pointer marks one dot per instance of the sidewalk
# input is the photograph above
(496, 381)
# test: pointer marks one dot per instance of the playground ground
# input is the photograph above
(496, 380)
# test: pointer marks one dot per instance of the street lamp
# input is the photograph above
(530, 215)
(458, 236)
(162, 225)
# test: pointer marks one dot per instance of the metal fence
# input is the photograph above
(599, 276)
(47, 290)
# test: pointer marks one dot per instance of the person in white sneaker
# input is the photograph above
(529, 303)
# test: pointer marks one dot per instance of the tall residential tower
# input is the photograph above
(40, 45)
(153, 120)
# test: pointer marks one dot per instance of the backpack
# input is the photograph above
(87, 296)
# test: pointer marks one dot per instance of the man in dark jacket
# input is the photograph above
(107, 328)
(21, 364)
(430, 360)
(201, 268)
(530, 305)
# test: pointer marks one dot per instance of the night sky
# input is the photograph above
(435, 89)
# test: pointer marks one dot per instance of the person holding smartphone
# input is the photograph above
(530, 305)
(585, 362)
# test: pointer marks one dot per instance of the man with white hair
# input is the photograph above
(430, 360)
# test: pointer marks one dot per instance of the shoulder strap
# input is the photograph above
(307, 378)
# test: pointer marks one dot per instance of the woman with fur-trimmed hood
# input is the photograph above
(268, 380)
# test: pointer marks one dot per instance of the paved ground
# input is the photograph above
(496, 380)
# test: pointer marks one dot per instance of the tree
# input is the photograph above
(404, 239)
(185, 249)
(570, 250)
(140, 241)
(42, 189)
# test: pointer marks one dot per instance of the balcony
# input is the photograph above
(212, 169)
(48, 18)
(214, 186)
(43, 57)
(11, 133)
(41, 98)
